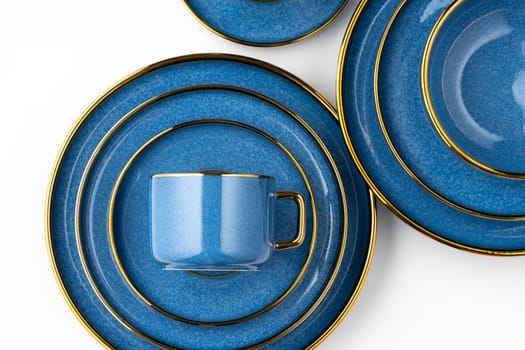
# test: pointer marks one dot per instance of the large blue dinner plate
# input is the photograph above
(168, 117)
(265, 22)
(369, 148)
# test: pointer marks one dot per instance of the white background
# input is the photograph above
(57, 56)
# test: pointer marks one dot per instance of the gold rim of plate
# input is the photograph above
(273, 44)
(150, 68)
(429, 105)
(375, 189)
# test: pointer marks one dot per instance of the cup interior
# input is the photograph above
(473, 83)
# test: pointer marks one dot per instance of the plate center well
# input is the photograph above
(475, 91)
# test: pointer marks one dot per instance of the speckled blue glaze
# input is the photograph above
(189, 149)
(402, 193)
(265, 22)
(212, 221)
(412, 131)
(477, 81)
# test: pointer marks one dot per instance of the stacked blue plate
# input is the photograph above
(183, 115)
(430, 98)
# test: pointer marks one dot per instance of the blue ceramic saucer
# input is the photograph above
(192, 129)
(373, 155)
(474, 83)
(265, 22)
(414, 137)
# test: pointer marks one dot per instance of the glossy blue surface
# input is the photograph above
(477, 81)
(265, 22)
(212, 222)
(192, 148)
(398, 189)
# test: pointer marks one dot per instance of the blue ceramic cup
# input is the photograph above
(217, 220)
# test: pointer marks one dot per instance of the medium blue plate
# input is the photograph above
(265, 22)
(413, 134)
(372, 153)
(110, 308)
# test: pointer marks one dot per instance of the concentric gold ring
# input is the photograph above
(111, 230)
(429, 105)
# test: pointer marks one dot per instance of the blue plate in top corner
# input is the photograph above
(265, 22)
(373, 155)
(186, 114)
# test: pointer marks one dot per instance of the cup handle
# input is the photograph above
(301, 228)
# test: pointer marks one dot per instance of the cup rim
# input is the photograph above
(216, 174)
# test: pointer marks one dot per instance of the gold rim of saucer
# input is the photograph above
(429, 105)
(189, 58)
(364, 173)
(256, 44)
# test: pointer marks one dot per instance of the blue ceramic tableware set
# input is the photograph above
(214, 201)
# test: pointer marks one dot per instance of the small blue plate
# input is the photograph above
(200, 127)
(265, 22)
(373, 155)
